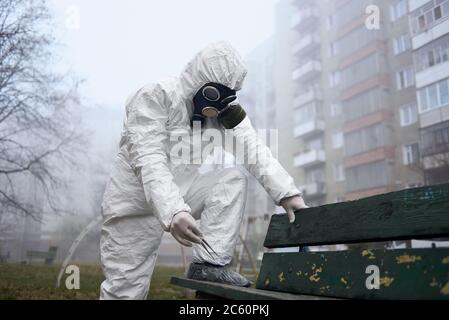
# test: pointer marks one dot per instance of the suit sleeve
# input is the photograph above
(148, 151)
(261, 163)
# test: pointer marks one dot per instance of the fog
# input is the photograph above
(116, 47)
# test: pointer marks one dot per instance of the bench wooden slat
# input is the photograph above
(404, 274)
(413, 213)
(236, 293)
(40, 254)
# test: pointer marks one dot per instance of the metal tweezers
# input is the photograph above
(206, 247)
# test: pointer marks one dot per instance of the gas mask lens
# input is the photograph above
(212, 100)
(210, 94)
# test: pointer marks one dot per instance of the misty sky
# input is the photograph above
(118, 46)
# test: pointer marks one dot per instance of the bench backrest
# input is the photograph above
(363, 272)
(48, 256)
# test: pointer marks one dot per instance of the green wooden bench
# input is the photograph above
(421, 213)
(48, 256)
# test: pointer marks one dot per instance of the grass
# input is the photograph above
(19, 282)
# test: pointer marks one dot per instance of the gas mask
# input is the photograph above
(215, 100)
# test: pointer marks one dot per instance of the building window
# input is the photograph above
(337, 140)
(313, 176)
(336, 109)
(363, 69)
(401, 44)
(364, 140)
(429, 15)
(365, 103)
(435, 139)
(330, 22)
(398, 9)
(305, 113)
(333, 49)
(410, 154)
(339, 173)
(437, 13)
(434, 53)
(434, 96)
(315, 144)
(334, 79)
(356, 40)
(443, 92)
(367, 176)
(405, 78)
(408, 114)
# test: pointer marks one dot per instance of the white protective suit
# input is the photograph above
(147, 189)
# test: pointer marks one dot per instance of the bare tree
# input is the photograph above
(38, 127)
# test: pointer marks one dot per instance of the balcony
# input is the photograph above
(305, 19)
(434, 139)
(310, 158)
(307, 97)
(309, 128)
(306, 45)
(436, 161)
(430, 33)
(315, 189)
(307, 71)
(432, 74)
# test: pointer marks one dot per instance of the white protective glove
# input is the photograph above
(291, 204)
(184, 229)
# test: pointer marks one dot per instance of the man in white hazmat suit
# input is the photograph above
(149, 192)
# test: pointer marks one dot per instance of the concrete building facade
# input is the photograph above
(429, 22)
(351, 122)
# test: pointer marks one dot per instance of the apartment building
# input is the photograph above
(299, 97)
(429, 21)
(346, 97)
(258, 98)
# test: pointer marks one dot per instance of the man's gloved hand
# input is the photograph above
(291, 204)
(184, 229)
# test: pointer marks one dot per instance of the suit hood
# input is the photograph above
(218, 62)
